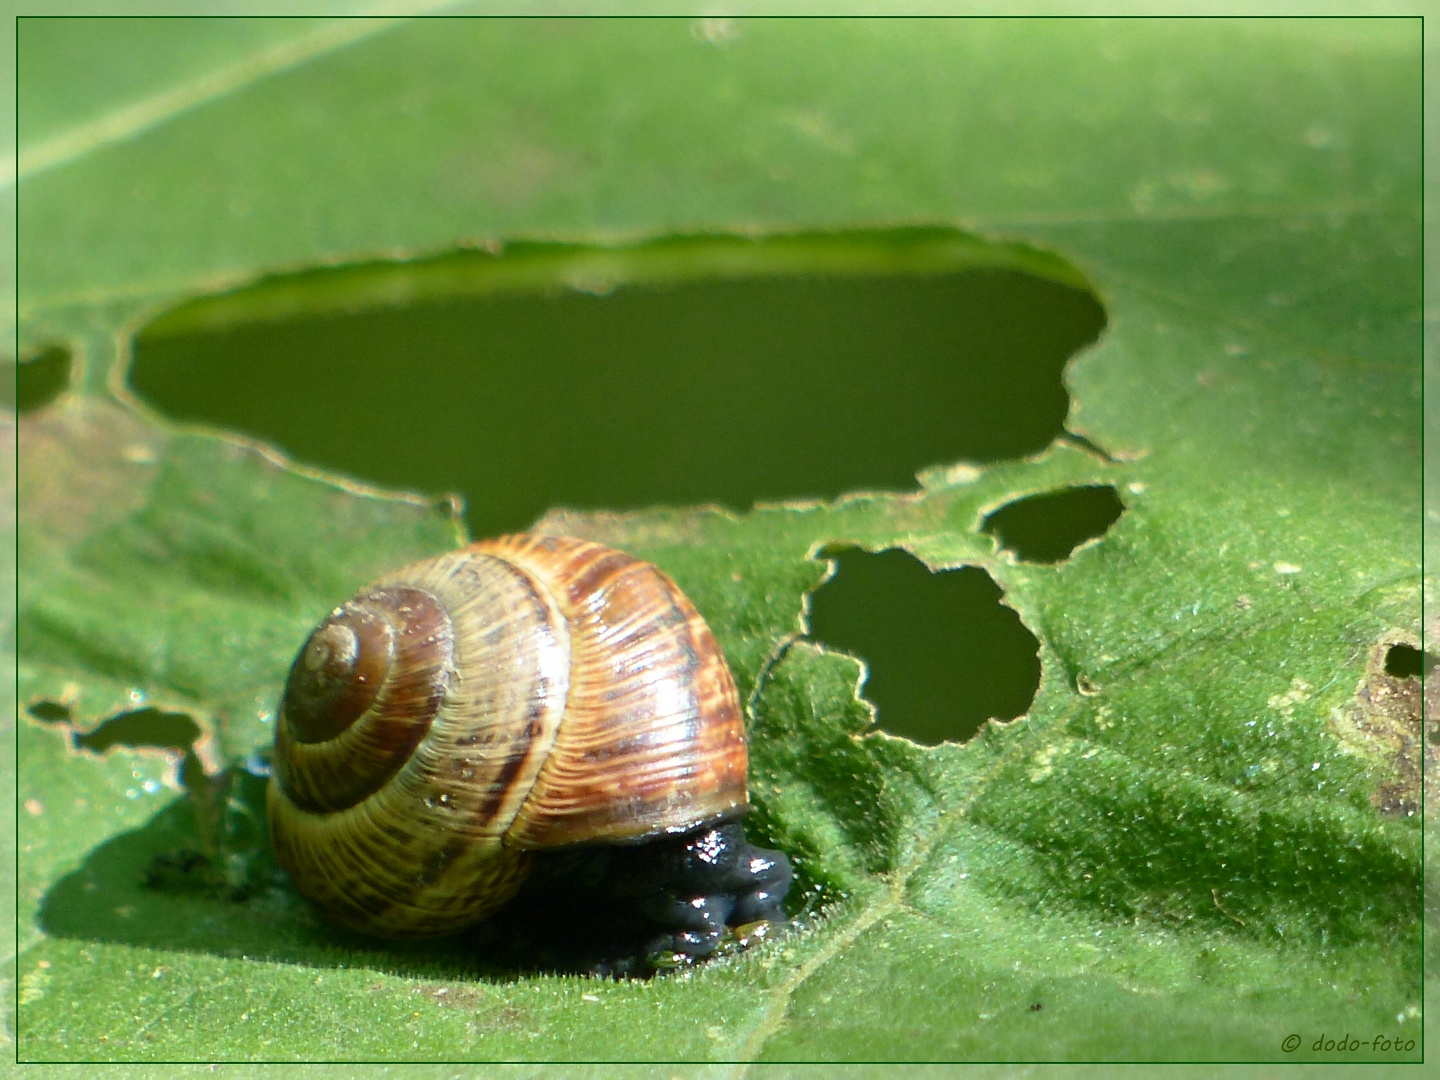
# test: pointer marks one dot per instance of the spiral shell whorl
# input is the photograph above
(361, 696)
(339, 673)
(477, 686)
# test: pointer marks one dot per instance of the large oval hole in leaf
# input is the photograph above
(661, 384)
(944, 654)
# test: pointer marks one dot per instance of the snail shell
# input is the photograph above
(519, 694)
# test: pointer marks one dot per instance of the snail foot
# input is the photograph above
(627, 911)
(734, 940)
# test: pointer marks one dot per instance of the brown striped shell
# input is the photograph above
(522, 693)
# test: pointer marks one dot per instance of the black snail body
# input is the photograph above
(531, 715)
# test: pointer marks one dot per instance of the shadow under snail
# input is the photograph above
(529, 715)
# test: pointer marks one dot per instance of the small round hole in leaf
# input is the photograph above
(37, 381)
(1407, 662)
(50, 712)
(1047, 528)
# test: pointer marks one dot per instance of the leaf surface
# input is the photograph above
(1201, 838)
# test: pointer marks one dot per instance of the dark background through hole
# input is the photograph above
(37, 381)
(712, 391)
(142, 727)
(147, 727)
(944, 654)
(1046, 528)
(1407, 662)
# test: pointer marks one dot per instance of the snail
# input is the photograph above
(530, 712)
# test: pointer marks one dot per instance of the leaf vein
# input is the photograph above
(130, 120)
(772, 1016)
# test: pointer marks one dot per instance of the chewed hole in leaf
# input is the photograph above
(1046, 528)
(944, 654)
(147, 728)
(801, 374)
(1386, 722)
(50, 712)
(36, 381)
(218, 818)
(1407, 662)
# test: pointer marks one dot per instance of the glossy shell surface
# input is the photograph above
(519, 694)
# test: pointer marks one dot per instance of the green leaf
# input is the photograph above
(1202, 837)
